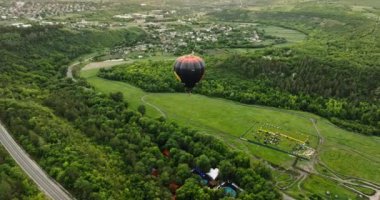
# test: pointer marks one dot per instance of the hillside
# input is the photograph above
(288, 106)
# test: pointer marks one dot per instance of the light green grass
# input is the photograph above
(291, 36)
(350, 154)
(131, 94)
(282, 178)
(366, 191)
(347, 153)
(327, 189)
(324, 188)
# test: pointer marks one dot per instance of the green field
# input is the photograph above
(291, 36)
(294, 143)
(326, 188)
(345, 153)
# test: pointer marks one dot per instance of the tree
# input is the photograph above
(182, 173)
(117, 96)
(83, 187)
(227, 170)
(5, 189)
(141, 109)
(203, 162)
(191, 191)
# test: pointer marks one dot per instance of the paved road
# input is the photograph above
(69, 72)
(51, 188)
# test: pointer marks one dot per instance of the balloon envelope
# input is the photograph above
(189, 70)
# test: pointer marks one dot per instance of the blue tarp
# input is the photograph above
(229, 191)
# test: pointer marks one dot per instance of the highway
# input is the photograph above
(46, 184)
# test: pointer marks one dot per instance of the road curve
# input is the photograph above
(51, 188)
(153, 106)
(69, 72)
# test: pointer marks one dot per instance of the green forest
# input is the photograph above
(93, 144)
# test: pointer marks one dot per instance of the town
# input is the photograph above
(38, 10)
(169, 31)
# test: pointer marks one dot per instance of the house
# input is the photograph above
(155, 172)
(127, 16)
(173, 187)
(200, 173)
(209, 178)
(166, 153)
(213, 173)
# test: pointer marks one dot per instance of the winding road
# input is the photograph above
(51, 188)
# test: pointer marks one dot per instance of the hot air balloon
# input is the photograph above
(189, 70)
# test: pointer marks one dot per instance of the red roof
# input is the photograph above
(155, 172)
(166, 152)
(173, 187)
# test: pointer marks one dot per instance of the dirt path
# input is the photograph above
(95, 65)
(153, 106)
(105, 64)
(321, 140)
(69, 73)
(347, 183)
(376, 196)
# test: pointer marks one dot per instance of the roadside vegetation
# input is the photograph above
(14, 184)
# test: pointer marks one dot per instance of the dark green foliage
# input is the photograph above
(151, 76)
(141, 109)
(117, 96)
(191, 190)
(203, 162)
